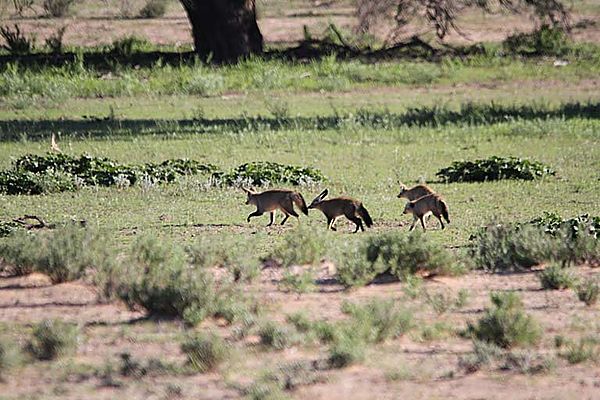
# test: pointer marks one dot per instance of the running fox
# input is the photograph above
(272, 200)
(431, 203)
(414, 192)
(335, 208)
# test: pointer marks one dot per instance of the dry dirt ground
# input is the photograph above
(409, 367)
(100, 23)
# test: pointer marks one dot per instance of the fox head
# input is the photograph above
(250, 199)
(319, 199)
(409, 208)
(403, 189)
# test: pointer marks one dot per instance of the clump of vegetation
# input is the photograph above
(16, 42)
(265, 172)
(556, 277)
(158, 277)
(54, 42)
(205, 352)
(397, 253)
(585, 349)
(154, 9)
(544, 41)
(128, 46)
(51, 339)
(555, 225)
(494, 168)
(346, 350)
(275, 336)
(442, 302)
(9, 356)
(301, 246)
(64, 254)
(378, 320)
(57, 8)
(588, 291)
(299, 281)
(505, 324)
(509, 248)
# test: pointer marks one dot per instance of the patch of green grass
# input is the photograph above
(205, 352)
(585, 349)
(555, 277)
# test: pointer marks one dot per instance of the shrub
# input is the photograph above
(158, 278)
(378, 320)
(55, 42)
(353, 268)
(301, 246)
(346, 350)
(441, 302)
(546, 40)
(154, 9)
(277, 337)
(128, 46)
(57, 8)
(51, 339)
(494, 168)
(509, 248)
(298, 282)
(9, 356)
(585, 349)
(265, 172)
(588, 292)
(16, 42)
(205, 352)
(506, 324)
(19, 252)
(555, 277)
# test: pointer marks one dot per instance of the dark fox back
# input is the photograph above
(364, 214)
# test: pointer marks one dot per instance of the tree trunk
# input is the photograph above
(224, 30)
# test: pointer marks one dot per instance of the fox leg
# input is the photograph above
(358, 223)
(422, 223)
(254, 214)
(330, 222)
(414, 223)
(285, 218)
(288, 209)
(271, 218)
(439, 219)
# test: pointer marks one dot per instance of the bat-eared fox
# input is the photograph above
(272, 200)
(335, 208)
(431, 203)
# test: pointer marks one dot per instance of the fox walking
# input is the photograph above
(414, 192)
(431, 203)
(335, 208)
(273, 200)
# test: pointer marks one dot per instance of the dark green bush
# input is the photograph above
(554, 225)
(51, 339)
(494, 168)
(505, 324)
(154, 9)
(265, 172)
(16, 42)
(205, 352)
(24, 182)
(555, 277)
(544, 41)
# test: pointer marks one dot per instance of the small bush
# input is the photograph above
(442, 302)
(205, 352)
(128, 46)
(345, 351)
(57, 8)
(51, 339)
(555, 277)
(494, 168)
(158, 278)
(19, 252)
(275, 336)
(544, 41)
(298, 282)
(154, 9)
(301, 246)
(55, 42)
(588, 292)
(506, 324)
(378, 320)
(484, 353)
(500, 248)
(9, 356)
(16, 42)
(585, 349)
(265, 172)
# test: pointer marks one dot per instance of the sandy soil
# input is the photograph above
(408, 367)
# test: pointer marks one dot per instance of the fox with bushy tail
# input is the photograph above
(273, 200)
(346, 206)
(420, 207)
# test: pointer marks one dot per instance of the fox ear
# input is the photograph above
(323, 194)
(249, 191)
(402, 185)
